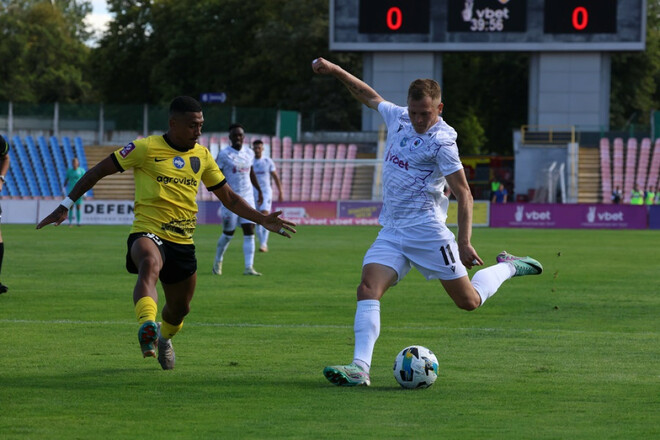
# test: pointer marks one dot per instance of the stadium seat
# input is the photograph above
(49, 167)
(296, 173)
(307, 170)
(287, 153)
(328, 172)
(338, 174)
(276, 155)
(82, 158)
(629, 176)
(317, 175)
(38, 168)
(80, 152)
(347, 182)
(68, 150)
(654, 168)
(617, 162)
(605, 170)
(643, 163)
(58, 157)
(22, 170)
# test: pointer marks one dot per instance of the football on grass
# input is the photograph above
(416, 367)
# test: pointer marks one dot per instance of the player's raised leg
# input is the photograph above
(469, 295)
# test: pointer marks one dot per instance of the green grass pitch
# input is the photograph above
(571, 354)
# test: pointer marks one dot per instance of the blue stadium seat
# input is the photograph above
(60, 164)
(68, 150)
(10, 188)
(38, 167)
(80, 154)
(25, 167)
(49, 167)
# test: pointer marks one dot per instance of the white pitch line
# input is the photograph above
(330, 326)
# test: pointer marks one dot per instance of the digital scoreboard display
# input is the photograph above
(487, 25)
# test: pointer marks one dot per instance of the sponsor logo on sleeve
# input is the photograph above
(127, 150)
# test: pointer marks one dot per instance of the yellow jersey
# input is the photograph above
(166, 182)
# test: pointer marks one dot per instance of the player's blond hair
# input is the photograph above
(424, 87)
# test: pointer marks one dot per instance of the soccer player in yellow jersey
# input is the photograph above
(168, 170)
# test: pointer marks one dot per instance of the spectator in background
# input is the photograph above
(494, 186)
(4, 167)
(73, 175)
(501, 195)
(657, 195)
(236, 162)
(636, 196)
(616, 195)
(264, 169)
(649, 196)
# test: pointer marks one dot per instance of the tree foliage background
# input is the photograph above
(259, 53)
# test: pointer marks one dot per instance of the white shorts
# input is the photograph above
(431, 249)
(267, 204)
(231, 220)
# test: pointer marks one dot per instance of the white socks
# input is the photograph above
(223, 242)
(262, 235)
(367, 329)
(488, 280)
(248, 250)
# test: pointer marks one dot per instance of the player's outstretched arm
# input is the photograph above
(461, 190)
(358, 88)
(239, 206)
(87, 181)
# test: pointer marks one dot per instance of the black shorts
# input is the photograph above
(179, 261)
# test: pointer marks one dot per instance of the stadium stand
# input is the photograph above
(309, 172)
(58, 157)
(642, 169)
(629, 174)
(654, 168)
(38, 167)
(49, 167)
(328, 172)
(617, 174)
(317, 181)
(643, 163)
(605, 170)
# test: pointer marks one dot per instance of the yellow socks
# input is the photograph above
(146, 309)
(168, 330)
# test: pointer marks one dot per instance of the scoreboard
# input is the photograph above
(487, 25)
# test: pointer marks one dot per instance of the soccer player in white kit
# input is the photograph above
(264, 169)
(236, 164)
(422, 156)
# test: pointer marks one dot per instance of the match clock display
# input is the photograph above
(487, 25)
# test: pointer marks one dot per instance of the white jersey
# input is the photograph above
(235, 165)
(262, 169)
(414, 170)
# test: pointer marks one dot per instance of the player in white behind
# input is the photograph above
(422, 156)
(264, 169)
(236, 162)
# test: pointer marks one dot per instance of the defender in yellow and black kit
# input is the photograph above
(168, 170)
